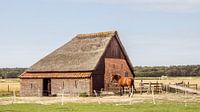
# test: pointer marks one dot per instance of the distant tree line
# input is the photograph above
(158, 71)
(140, 71)
(11, 72)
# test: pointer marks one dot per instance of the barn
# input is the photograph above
(84, 64)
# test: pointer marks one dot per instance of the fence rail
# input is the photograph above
(146, 87)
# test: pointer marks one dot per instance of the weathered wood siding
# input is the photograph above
(34, 87)
(114, 50)
(70, 86)
(31, 87)
(71, 82)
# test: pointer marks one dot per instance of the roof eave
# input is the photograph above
(125, 53)
(58, 71)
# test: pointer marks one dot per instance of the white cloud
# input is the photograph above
(150, 5)
(172, 5)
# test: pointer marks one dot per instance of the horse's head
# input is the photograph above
(112, 78)
(115, 77)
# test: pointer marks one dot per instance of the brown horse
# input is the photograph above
(124, 82)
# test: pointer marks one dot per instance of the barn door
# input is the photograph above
(46, 87)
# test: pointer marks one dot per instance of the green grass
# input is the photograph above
(75, 107)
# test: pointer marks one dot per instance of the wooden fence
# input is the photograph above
(146, 87)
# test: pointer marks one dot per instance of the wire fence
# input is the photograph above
(185, 99)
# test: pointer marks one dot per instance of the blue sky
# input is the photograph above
(154, 32)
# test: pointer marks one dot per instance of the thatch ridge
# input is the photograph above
(98, 34)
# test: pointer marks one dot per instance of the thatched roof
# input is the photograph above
(80, 54)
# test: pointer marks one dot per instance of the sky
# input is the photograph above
(153, 32)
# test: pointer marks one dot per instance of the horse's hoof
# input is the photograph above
(131, 95)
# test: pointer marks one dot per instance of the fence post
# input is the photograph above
(38, 92)
(196, 86)
(14, 96)
(62, 100)
(185, 98)
(149, 87)
(8, 88)
(157, 86)
(154, 102)
(95, 93)
(141, 84)
(161, 88)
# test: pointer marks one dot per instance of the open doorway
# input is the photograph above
(46, 87)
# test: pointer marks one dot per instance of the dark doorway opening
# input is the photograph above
(98, 82)
(46, 87)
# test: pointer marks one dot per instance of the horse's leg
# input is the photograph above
(131, 91)
(120, 91)
(123, 90)
(132, 88)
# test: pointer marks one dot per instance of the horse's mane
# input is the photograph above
(120, 76)
(117, 76)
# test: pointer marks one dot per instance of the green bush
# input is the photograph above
(158, 71)
(84, 94)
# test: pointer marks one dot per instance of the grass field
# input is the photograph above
(164, 102)
(76, 107)
(9, 84)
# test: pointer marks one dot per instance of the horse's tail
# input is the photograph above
(133, 86)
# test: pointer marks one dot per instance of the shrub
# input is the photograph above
(84, 94)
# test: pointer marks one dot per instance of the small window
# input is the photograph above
(31, 85)
(126, 74)
(122, 66)
(63, 85)
(75, 84)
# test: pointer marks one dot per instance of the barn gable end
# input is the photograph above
(114, 61)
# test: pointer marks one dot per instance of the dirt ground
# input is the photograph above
(137, 98)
